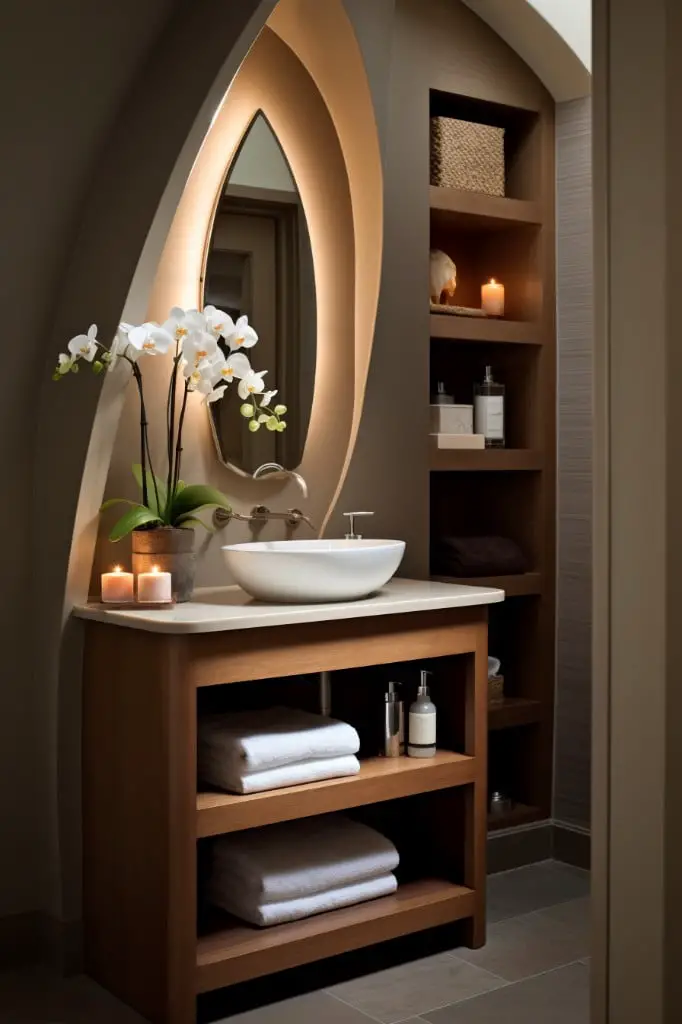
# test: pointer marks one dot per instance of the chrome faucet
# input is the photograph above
(274, 467)
(352, 535)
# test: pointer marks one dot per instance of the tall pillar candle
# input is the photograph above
(492, 298)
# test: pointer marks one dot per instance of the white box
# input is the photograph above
(452, 419)
(452, 441)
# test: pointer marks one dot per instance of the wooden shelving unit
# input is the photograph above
(380, 778)
(520, 814)
(513, 712)
(453, 207)
(234, 950)
(151, 936)
(506, 492)
(486, 459)
(525, 584)
(483, 328)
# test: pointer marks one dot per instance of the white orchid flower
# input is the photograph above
(120, 346)
(236, 365)
(215, 394)
(198, 347)
(84, 346)
(252, 384)
(268, 397)
(65, 363)
(182, 322)
(150, 339)
(219, 323)
(243, 336)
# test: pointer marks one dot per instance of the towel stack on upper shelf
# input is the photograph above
(295, 869)
(253, 751)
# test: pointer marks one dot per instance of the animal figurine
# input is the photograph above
(443, 274)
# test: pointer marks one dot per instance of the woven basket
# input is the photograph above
(467, 155)
(496, 690)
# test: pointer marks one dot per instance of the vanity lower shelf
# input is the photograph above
(236, 952)
(380, 778)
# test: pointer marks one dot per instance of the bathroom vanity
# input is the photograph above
(147, 677)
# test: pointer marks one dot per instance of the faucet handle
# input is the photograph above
(352, 535)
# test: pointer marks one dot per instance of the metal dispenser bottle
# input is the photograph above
(394, 722)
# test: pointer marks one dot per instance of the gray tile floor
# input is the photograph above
(534, 969)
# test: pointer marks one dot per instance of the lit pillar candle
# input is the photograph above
(118, 587)
(154, 587)
(492, 298)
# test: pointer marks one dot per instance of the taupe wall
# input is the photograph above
(66, 69)
(575, 343)
(85, 177)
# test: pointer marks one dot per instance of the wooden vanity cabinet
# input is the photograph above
(144, 817)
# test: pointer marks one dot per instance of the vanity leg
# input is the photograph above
(139, 812)
(476, 809)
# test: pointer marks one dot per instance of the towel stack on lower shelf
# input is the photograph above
(253, 751)
(295, 869)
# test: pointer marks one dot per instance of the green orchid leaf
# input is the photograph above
(187, 521)
(116, 501)
(197, 496)
(151, 493)
(136, 516)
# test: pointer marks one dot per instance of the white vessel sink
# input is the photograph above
(313, 571)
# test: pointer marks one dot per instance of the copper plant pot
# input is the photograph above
(169, 549)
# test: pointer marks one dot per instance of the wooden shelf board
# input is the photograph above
(380, 778)
(513, 712)
(443, 460)
(484, 329)
(524, 584)
(239, 951)
(521, 814)
(473, 209)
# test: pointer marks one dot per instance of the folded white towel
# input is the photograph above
(264, 914)
(299, 858)
(259, 740)
(223, 775)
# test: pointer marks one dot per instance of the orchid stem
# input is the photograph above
(171, 429)
(144, 442)
(178, 450)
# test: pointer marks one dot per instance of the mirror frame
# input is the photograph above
(346, 253)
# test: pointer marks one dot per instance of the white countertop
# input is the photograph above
(221, 608)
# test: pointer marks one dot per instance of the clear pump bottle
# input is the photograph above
(421, 726)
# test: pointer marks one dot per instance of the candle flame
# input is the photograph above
(492, 281)
(117, 568)
(155, 569)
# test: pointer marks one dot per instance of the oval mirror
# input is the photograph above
(260, 264)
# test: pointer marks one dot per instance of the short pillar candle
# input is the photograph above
(492, 298)
(118, 587)
(154, 587)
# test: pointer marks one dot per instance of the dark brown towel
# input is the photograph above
(479, 556)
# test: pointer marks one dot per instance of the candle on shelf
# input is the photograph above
(154, 587)
(492, 298)
(118, 587)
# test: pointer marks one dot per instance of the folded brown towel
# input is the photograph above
(479, 556)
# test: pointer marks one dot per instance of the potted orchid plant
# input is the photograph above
(207, 350)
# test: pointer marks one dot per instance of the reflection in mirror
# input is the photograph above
(259, 263)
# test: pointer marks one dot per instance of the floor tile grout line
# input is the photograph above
(441, 1006)
(350, 1006)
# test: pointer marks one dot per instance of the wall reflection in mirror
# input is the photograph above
(259, 263)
